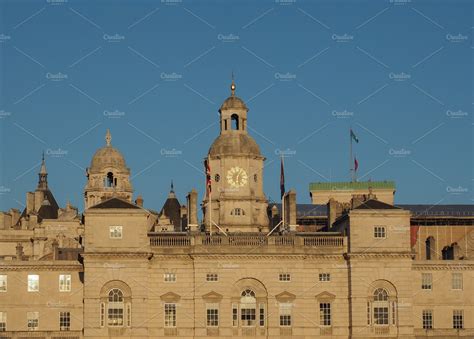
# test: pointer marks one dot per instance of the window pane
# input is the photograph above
(3, 321)
(64, 321)
(170, 315)
(458, 319)
(212, 314)
(427, 317)
(457, 281)
(426, 281)
(3, 283)
(33, 320)
(64, 282)
(33, 282)
(325, 314)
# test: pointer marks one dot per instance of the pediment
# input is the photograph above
(285, 296)
(170, 297)
(212, 296)
(325, 295)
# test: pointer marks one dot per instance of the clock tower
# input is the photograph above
(236, 202)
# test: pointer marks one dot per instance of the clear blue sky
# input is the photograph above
(155, 73)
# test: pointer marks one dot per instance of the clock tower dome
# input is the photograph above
(237, 202)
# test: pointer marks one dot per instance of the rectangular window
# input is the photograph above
(169, 277)
(33, 283)
(426, 281)
(3, 321)
(33, 320)
(212, 277)
(381, 315)
(115, 314)
(325, 314)
(284, 277)
(212, 311)
(64, 283)
(262, 315)
(285, 314)
(170, 315)
(379, 232)
(427, 316)
(115, 232)
(456, 281)
(64, 321)
(458, 319)
(235, 315)
(3, 283)
(324, 277)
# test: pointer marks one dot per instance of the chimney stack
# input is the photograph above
(19, 251)
(139, 201)
(191, 202)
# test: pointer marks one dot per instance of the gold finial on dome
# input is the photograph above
(232, 86)
(108, 137)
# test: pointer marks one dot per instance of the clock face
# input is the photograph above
(237, 177)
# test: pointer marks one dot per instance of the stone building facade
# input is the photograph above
(366, 269)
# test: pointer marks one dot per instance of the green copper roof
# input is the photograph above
(346, 185)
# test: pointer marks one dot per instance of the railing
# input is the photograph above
(332, 241)
(170, 241)
(246, 240)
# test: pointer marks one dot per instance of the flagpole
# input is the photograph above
(351, 170)
(209, 189)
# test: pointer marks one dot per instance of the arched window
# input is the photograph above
(109, 180)
(115, 308)
(248, 306)
(234, 121)
(430, 248)
(115, 304)
(381, 307)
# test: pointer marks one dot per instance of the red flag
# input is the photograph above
(207, 166)
(356, 164)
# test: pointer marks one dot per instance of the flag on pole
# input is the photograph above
(207, 166)
(282, 179)
(353, 136)
(356, 164)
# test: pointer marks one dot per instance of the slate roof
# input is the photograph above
(425, 210)
(115, 203)
(373, 204)
(440, 210)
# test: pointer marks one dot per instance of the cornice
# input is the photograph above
(451, 266)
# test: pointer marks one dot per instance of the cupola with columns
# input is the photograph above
(108, 176)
